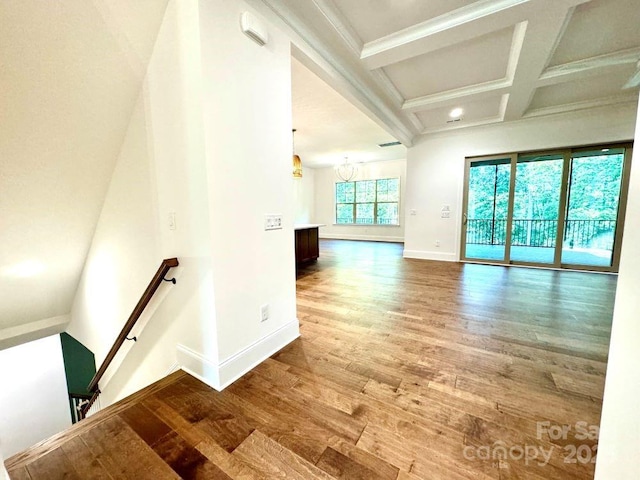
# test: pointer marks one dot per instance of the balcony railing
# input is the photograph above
(542, 233)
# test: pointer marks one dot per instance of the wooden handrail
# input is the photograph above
(133, 318)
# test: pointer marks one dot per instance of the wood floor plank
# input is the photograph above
(276, 461)
(86, 464)
(19, 473)
(123, 453)
(343, 467)
(54, 466)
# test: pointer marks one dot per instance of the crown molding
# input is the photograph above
(402, 44)
(585, 105)
(588, 66)
(340, 24)
(454, 96)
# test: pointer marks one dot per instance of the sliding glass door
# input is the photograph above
(555, 209)
(486, 214)
(591, 223)
(536, 208)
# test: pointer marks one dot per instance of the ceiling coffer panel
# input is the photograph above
(480, 60)
(372, 19)
(599, 27)
(603, 86)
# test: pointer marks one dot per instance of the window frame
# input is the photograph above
(375, 203)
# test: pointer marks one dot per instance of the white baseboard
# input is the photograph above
(219, 376)
(369, 238)
(199, 366)
(425, 255)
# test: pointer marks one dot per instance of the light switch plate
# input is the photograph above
(273, 222)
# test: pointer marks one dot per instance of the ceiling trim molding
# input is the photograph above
(588, 66)
(449, 97)
(448, 21)
(634, 81)
(543, 36)
(334, 67)
(585, 105)
(340, 24)
(517, 41)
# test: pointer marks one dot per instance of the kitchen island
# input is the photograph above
(307, 243)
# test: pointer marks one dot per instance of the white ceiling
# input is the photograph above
(328, 127)
(70, 74)
(410, 62)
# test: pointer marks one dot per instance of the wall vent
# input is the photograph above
(388, 144)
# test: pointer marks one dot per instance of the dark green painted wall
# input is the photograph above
(79, 364)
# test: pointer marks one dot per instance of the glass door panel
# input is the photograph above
(487, 207)
(592, 208)
(536, 208)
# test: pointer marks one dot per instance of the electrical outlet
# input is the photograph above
(445, 214)
(273, 222)
(264, 312)
(172, 220)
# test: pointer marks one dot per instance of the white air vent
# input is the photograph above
(389, 144)
(254, 28)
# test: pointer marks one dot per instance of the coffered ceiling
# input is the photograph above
(411, 62)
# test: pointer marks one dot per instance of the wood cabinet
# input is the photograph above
(307, 244)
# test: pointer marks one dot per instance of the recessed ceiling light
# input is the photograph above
(456, 112)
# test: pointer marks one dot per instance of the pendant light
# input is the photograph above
(297, 163)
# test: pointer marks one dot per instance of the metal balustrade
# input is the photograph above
(542, 233)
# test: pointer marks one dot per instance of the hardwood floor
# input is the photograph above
(406, 369)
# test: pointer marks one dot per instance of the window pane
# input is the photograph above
(388, 190)
(344, 213)
(365, 192)
(364, 213)
(345, 192)
(387, 213)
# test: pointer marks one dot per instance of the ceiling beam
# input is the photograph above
(316, 54)
(546, 28)
(465, 23)
(585, 105)
(458, 95)
(588, 67)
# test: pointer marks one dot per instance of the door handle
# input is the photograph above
(464, 219)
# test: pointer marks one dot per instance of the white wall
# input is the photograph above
(620, 422)
(247, 112)
(435, 167)
(325, 180)
(34, 403)
(209, 140)
(304, 200)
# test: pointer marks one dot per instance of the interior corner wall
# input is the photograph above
(304, 197)
(209, 143)
(435, 167)
(34, 403)
(160, 170)
(619, 441)
(325, 180)
(247, 123)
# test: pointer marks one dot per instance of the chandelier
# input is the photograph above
(346, 171)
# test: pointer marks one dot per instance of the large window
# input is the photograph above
(368, 202)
